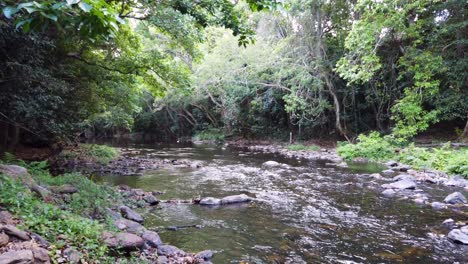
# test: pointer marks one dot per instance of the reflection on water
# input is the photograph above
(305, 212)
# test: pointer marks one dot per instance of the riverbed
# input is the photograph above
(304, 211)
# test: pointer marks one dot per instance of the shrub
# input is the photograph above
(373, 147)
(210, 134)
(298, 147)
(97, 153)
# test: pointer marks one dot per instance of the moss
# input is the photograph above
(298, 147)
(91, 152)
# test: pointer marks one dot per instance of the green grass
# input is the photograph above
(97, 153)
(210, 134)
(299, 147)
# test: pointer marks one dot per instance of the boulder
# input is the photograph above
(123, 241)
(168, 250)
(456, 181)
(210, 201)
(403, 177)
(13, 231)
(40, 240)
(464, 229)
(391, 163)
(151, 199)
(17, 173)
(455, 198)
(129, 226)
(4, 239)
(438, 205)
(130, 214)
(401, 185)
(240, 198)
(389, 193)
(65, 189)
(41, 256)
(271, 164)
(17, 257)
(387, 173)
(152, 239)
(205, 255)
(458, 236)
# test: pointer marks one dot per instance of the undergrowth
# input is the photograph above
(210, 134)
(299, 147)
(92, 152)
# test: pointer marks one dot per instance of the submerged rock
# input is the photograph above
(455, 198)
(17, 257)
(210, 201)
(458, 236)
(240, 198)
(204, 255)
(401, 185)
(150, 199)
(130, 214)
(168, 250)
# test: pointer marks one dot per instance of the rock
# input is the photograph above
(17, 257)
(458, 236)
(168, 250)
(403, 177)
(438, 205)
(151, 199)
(41, 191)
(17, 173)
(389, 193)
(458, 182)
(455, 198)
(123, 241)
(6, 217)
(152, 239)
(113, 214)
(240, 198)
(40, 240)
(391, 163)
(210, 201)
(464, 229)
(13, 231)
(403, 168)
(130, 214)
(129, 226)
(4, 239)
(387, 173)
(448, 222)
(136, 192)
(65, 189)
(162, 260)
(72, 255)
(420, 200)
(375, 176)
(271, 164)
(205, 255)
(41, 256)
(401, 185)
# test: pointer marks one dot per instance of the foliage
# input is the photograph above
(91, 152)
(299, 147)
(373, 147)
(210, 134)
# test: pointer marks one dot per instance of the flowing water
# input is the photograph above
(304, 212)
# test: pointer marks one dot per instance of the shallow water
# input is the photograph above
(305, 211)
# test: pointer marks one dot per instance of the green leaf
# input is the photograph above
(10, 11)
(85, 7)
(50, 16)
(71, 2)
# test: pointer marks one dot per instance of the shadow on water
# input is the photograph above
(305, 211)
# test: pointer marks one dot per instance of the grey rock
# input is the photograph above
(458, 236)
(403, 177)
(123, 241)
(455, 181)
(72, 255)
(389, 193)
(391, 163)
(448, 222)
(168, 250)
(241, 198)
(438, 205)
(387, 173)
(113, 214)
(152, 239)
(271, 164)
(205, 255)
(420, 200)
(162, 260)
(151, 199)
(6, 217)
(130, 214)
(401, 185)
(129, 226)
(40, 240)
(4, 239)
(464, 229)
(17, 173)
(210, 201)
(13, 231)
(41, 255)
(17, 257)
(403, 168)
(65, 189)
(455, 198)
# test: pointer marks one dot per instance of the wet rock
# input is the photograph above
(455, 198)
(123, 241)
(448, 222)
(13, 231)
(168, 250)
(65, 189)
(205, 255)
(40, 240)
(464, 229)
(271, 164)
(129, 226)
(4, 239)
(72, 255)
(438, 205)
(130, 214)
(402, 168)
(241, 198)
(420, 200)
(210, 201)
(150, 199)
(17, 257)
(389, 193)
(41, 256)
(152, 239)
(401, 185)
(391, 163)
(403, 177)
(136, 192)
(162, 260)
(387, 173)
(458, 236)
(457, 181)
(376, 176)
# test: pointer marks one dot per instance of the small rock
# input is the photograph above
(375, 176)
(168, 250)
(389, 193)
(152, 239)
(113, 214)
(162, 260)
(72, 255)
(438, 205)
(17, 257)
(391, 163)
(129, 226)
(458, 182)
(271, 164)
(205, 255)
(448, 222)
(241, 198)
(4, 239)
(65, 189)
(130, 214)
(13, 231)
(123, 241)
(420, 200)
(151, 199)
(41, 256)
(387, 173)
(136, 192)
(464, 229)
(403, 177)
(6, 218)
(401, 185)
(210, 201)
(40, 240)
(455, 198)
(458, 236)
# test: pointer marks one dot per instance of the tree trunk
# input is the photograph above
(464, 135)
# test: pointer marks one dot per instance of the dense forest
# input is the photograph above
(172, 69)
